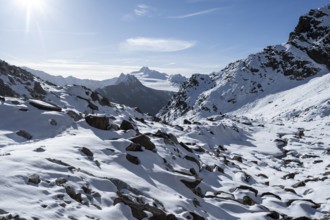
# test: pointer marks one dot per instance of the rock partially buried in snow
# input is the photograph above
(133, 159)
(144, 141)
(100, 122)
(42, 105)
(24, 134)
(34, 178)
(126, 125)
(87, 152)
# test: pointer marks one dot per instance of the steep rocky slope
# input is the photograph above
(128, 90)
(276, 68)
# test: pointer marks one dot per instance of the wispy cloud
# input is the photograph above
(155, 44)
(143, 10)
(208, 11)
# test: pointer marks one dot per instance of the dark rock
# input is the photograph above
(74, 115)
(38, 91)
(248, 188)
(273, 215)
(299, 184)
(138, 208)
(248, 201)
(168, 138)
(6, 90)
(270, 194)
(317, 161)
(237, 158)
(281, 142)
(290, 190)
(52, 122)
(193, 159)
(87, 152)
(144, 141)
(315, 205)
(186, 147)
(100, 122)
(24, 134)
(60, 181)
(196, 217)
(35, 179)
(262, 175)
(289, 176)
(71, 192)
(191, 184)
(39, 149)
(133, 159)
(126, 125)
(134, 147)
(186, 122)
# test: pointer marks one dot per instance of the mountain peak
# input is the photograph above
(127, 79)
(146, 72)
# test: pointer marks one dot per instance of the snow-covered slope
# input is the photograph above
(70, 80)
(68, 153)
(275, 69)
(71, 155)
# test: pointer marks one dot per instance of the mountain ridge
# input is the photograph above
(274, 69)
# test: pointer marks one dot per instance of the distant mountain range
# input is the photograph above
(148, 77)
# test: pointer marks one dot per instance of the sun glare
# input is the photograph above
(32, 8)
(31, 4)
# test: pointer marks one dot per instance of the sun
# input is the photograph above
(31, 4)
(33, 9)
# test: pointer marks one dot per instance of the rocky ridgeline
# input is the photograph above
(275, 69)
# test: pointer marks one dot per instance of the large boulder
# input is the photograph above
(144, 141)
(100, 122)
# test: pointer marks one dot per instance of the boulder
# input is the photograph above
(24, 134)
(75, 116)
(100, 122)
(133, 159)
(87, 152)
(126, 125)
(34, 178)
(144, 141)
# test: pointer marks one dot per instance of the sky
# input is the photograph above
(99, 39)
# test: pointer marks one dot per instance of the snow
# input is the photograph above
(267, 155)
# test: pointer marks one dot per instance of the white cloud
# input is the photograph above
(195, 13)
(155, 44)
(143, 10)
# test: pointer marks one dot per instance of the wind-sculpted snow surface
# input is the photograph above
(275, 69)
(68, 153)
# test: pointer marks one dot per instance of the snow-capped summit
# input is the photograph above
(157, 80)
(128, 79)
(145, 72)
(275, 69)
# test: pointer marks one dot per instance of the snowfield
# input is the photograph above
(249, 142)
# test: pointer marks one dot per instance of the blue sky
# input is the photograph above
(99, 39)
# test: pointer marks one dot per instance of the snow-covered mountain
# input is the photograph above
(70, 80)
(157, 80)
(66, 152)
(275, 69)
(150, 78)
(128, 90)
